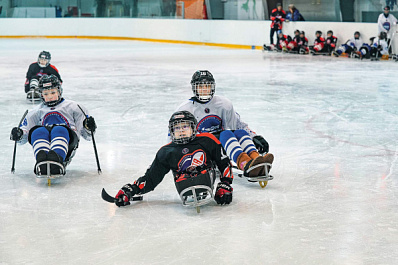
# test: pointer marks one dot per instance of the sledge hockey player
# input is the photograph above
(281, 43)
(191, 157)
(302, 45)
(319, 43)
(351, 46)
(292, 46)
(330, 42)
(379, 48)
(216, 115)
(277, 17)
(37, 70)
(52, 128)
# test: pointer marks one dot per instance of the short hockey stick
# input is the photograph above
(94, 145)
(15, 144)
(106, 197)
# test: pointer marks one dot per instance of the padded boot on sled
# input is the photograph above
(42, 169)
(256, 167)
(56, 168)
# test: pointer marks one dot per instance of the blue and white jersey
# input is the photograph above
(386, 23)
(215, 116)
(382, 43)
(355, 43)
(65, 113)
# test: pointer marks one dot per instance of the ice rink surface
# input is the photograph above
(331, 124)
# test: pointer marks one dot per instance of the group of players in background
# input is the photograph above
(378, 47)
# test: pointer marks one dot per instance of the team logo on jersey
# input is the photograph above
(190, 161)
(387, 26)
(25, 122)
(185, 151)
(54, 117)
(210, 124)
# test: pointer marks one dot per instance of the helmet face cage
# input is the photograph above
(198, 88)
(180, 125)
(49, 82)
(203, 80)
(46, 56)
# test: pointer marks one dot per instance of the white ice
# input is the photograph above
(331, 124)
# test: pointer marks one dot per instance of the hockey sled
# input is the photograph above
(263, 179)
(196, 196)
(320, 53)
(49, 176)
(196, 191)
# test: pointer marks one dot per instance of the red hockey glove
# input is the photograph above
(223, 193)
(125, 194)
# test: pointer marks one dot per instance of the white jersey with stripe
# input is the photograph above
(382, 43)
(386, 23)
(215, 116)
(65, 113)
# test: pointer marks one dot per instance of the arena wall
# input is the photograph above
(226, 33)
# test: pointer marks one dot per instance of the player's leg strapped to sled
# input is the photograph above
(54, 147)
(241, 149)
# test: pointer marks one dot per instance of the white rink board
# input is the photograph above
(253, 33)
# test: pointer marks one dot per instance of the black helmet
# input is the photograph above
(383, 35)
(318, 32)
(46, 56)
(302, 32)
(49, 82)
(203, 77)
(296, 31)
(177, 119)
(330, 32)
(357, 33)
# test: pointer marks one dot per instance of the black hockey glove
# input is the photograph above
(223, 193)
(16, 134)
(89, 124)
(261, 144)
(125, 194)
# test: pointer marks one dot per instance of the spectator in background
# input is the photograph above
(385, 21)
(391, 3)
(278, 15)
(294, 14)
